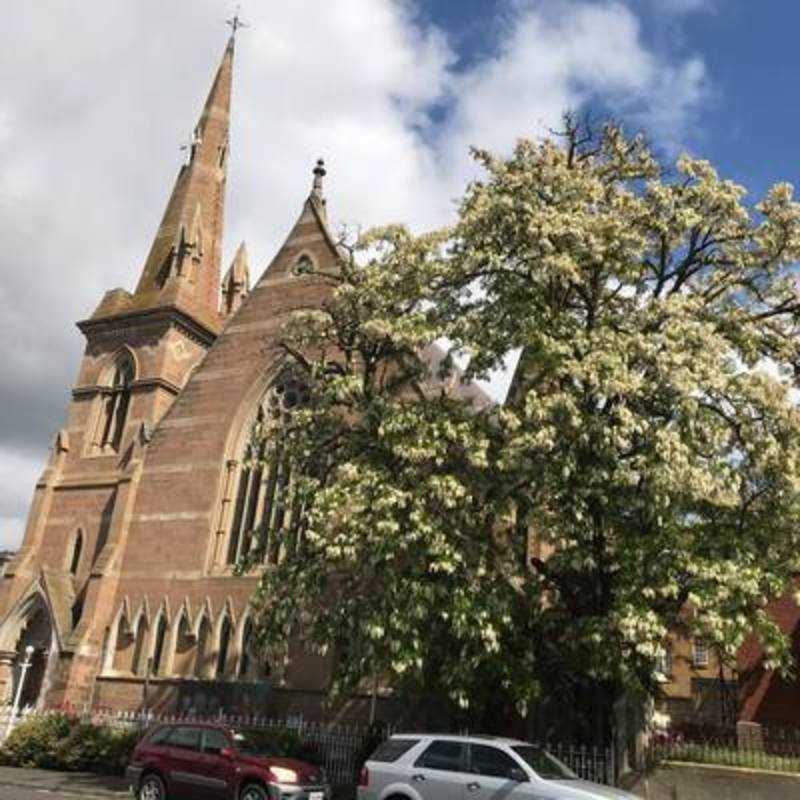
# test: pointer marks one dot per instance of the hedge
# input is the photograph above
(56, 741)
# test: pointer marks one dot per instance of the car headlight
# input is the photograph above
(283, 775)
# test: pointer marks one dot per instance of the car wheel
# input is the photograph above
(152, 788)
(254, 791)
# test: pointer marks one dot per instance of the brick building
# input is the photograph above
(124, 582)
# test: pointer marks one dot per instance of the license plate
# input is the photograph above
(316, 796)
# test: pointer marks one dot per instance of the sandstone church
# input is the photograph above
(124, 583)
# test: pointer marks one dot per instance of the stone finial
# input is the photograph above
(319, 173)
(236, 283)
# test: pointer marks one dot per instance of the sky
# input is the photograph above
(96, 98)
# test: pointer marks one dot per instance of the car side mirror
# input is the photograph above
(227, 752)
(517, 774)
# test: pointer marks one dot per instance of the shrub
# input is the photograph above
(97, 749)
(56, 741)
(35, 742)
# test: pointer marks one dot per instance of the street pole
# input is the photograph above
(148, 668)
(23, 671)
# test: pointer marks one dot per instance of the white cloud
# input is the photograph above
(97, 96)
(682, 6)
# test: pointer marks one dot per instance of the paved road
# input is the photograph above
(27, 784)
(18, 793)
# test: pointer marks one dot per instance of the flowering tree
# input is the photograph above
(642, 473)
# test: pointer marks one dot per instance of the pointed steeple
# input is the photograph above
(236, 283)
(183, 266)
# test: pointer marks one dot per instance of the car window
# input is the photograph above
(159, 735)
(392, 749)
(255, 743)
(492, 762)
(443, 755)
(544, 764)
(184, 737)
(214, 741)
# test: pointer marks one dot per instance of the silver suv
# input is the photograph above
(431, 767)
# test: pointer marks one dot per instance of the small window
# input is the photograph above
(392, 749)
(443, 755)
(664, 661)
(77, 547)
(303, 265)
(158, 651)
(491, 762)
(700, 653)
(214, 741)
(159, 735)
(224, 644)
(184, 738)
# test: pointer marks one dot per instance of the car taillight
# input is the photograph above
(363, 777)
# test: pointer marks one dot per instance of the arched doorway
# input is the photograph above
(29, 624)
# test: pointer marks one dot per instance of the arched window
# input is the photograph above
(203, 647)
(184, 641)
(246, 658)
(303, 265)
(267, 514)
(116, 401)
(224, 647)
(77, 547)
(158, 649)
(138, 663)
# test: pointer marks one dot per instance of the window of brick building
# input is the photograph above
(224, 647)
(77, 548)
(266, 512)
(664, 661)
(116, 398)
(158, 649)
(699, 653)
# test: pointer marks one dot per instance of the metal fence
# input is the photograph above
(774, 749)
(340, 749)
(590, 762)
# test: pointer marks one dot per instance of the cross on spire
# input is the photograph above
(235, 22)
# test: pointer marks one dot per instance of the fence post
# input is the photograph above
(749, 736)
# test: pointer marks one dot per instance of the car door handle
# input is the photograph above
(417, 777)
(473, 787)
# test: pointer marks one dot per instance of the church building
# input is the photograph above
(124, 584)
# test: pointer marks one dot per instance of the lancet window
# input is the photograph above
(267, 512)
(116, 401)
(157, 665)
(77, 548)
(224, 647)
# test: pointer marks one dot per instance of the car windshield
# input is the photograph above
(543, 763)
(254, 743)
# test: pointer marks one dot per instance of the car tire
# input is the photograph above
(254, 791)
(151, 787)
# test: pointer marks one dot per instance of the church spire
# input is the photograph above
(183, 266)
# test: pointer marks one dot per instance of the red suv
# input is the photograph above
(186, 761)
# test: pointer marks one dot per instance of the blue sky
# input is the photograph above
(749, 122)
(97, 96)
